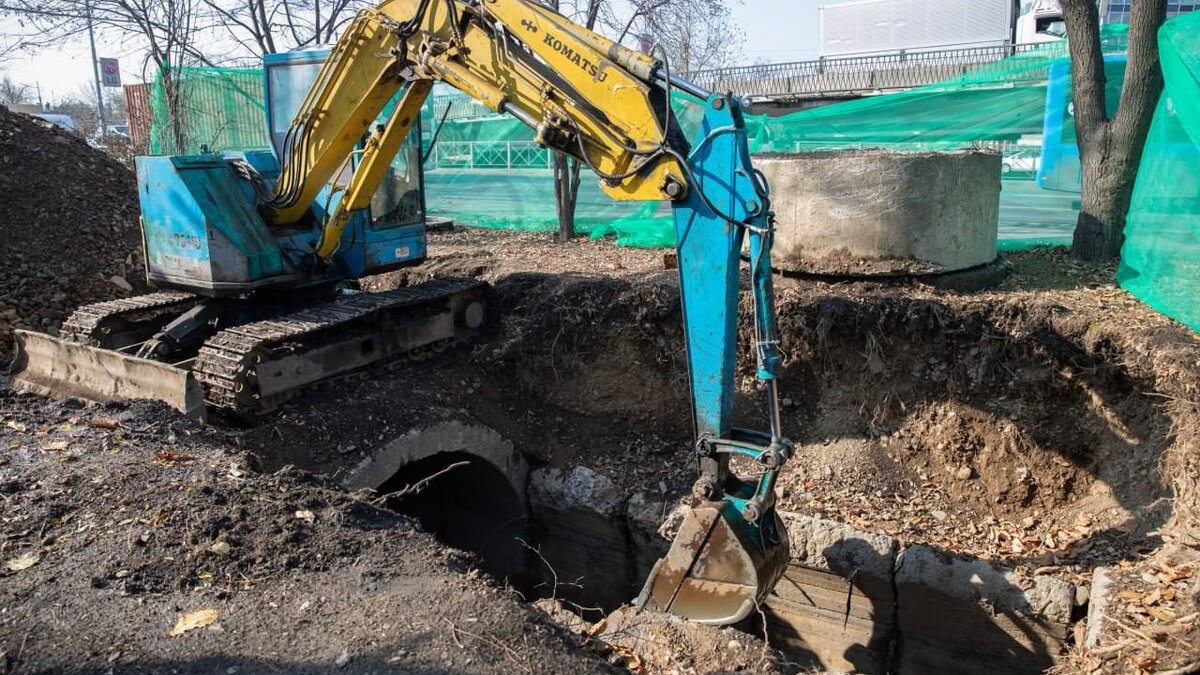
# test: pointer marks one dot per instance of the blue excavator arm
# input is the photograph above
(732, 547)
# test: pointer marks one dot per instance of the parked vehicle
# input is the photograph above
(64, 121)
(1020, 162)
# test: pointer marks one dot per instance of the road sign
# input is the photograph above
(110, 72)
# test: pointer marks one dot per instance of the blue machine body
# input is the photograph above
(203, 233)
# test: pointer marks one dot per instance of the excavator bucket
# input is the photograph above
(718, 568)
(58, 368)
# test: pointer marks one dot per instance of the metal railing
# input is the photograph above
(854, 75)
(490, 155)
(819, 78)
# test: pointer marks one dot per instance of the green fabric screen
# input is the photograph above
(485, 170)
(1160, 262)
(216, 109)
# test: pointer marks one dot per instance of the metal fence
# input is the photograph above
(490, 155)
(853, 74)
(844, 76)
(139, 114)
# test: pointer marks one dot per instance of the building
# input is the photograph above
(1117, 11)
(868, 26)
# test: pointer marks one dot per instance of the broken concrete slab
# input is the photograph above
(834, 607)
(578, 488)
(966, 615)
(841, 549)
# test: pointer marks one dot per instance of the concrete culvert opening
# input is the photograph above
(467, 503)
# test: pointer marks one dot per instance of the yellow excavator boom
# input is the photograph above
(585, 95)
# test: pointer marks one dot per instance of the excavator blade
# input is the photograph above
(59, 368)
(715, 572)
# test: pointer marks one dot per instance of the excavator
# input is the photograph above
(256, 253)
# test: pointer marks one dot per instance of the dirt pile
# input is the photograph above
(69, 226)
(648, 642)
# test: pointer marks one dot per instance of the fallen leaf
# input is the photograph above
(55, 446)
(16, 426)
(1131, 596)
(1171, 575)
(192, 621)
(221, 548)
(24, 562)
(1161, 614)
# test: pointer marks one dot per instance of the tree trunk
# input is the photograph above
(173, 95)
(566, 168)
(1110, 150)
(566, 193)
(1108, 179)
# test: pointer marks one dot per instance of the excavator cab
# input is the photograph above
(390, 232)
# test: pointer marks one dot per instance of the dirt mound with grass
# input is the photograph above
(69, 224)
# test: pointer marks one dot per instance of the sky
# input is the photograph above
(779, 30)
(775, 30)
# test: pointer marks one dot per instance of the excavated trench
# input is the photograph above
(964, 466)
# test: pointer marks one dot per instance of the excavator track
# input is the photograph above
(254, 367)
(115, 324)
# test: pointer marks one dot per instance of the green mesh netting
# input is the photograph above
(1001, 105)
(485, 170)
(214, 108)
(1160, 262)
